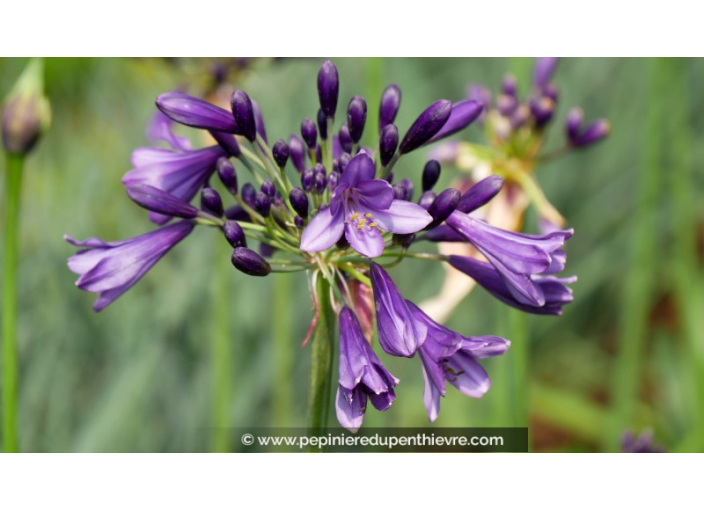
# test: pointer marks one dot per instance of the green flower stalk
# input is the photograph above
(25, 117)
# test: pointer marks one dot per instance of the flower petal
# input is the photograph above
(324, 230)
(366, 240)
(402, 217)
(359, 169)
(469, 377)
(375, 194)
(350, 407)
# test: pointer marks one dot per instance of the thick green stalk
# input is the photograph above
(221, 357)
(9, 301)
(644, 264)
(321, 356)
(283, 346)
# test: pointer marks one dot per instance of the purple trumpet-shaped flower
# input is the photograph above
(449, 356)
(180, 174)
(517, 257)
(362, 208)
(111, 268)
(400, 334)
(554, 290)
(194, 112)
(362, 375)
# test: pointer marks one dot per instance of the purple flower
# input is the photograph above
(462, 115)
(362, 208)
(400, 334)
(449, 356)
(180, 174)
(111, 268)
(362, 375)
(517, 257)
(642, 443)
(554, 290)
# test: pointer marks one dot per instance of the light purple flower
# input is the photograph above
(515, 256)
(362, 375)
(362, 208)
(180, 174)
(449, 356)
(400, 334)
(554, 290)
(111, 268)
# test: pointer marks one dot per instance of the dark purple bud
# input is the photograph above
(480, 194)
(234, 234)
(427, 125)
(299, 202)
(399, 191)
(390, 102)
(259, 120)
(159, 201)
(408, 184)
(328, 88)
(389, 178)
(268, 188)
(462, 115)
(248, 192)
(344, 161)
(309, 132)
(278, 200)
(281, 153)
(237, 213)
(194, 112)
(333, 181)
(227, 174)
(227, 142)
(322, 125)
(320, 182)
(345, 139)
(250, 262)
(308, 179)
(319, 169)
(299, 222)
(262, 203)
(542, 110)
(431, 174)
(318, 153)
(544, 69)
(509, 85)
(573, 124)
(356, 117)
(211, 202)
(506, 105)
(243, 111)
(388, 142)
(297, 151)
(427, 199)
(597, 130)
(444, 205)
(336, 166)
(444, 234)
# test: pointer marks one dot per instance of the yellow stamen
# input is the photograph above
(372, 224)
(354, 216)
(368, 215)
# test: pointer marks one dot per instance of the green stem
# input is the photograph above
(9, 301)
(283, 345)
(222, 360)
(321, 356)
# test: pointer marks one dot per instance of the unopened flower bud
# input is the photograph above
(299, 202)
(262, 202)
(333, 181)
(426, 125)
(427, 199)
(211, 202)
(444, 205)
(248, 192)
(480, 194)
(227, 174)
(431, 174)
(297, 151)
(243, 111)
(309, 132)
(328, 88)
(194, 112)
(250, 262)
(307, 179)
(573, 124)
(281, 152)
(596, 131)
(322, 125)
(234, 234)
(345, 139)
(388, 142)
(227, 142)
(390, 102)
(268, 188)
(356, 117)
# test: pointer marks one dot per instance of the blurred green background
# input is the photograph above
(140, 376)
